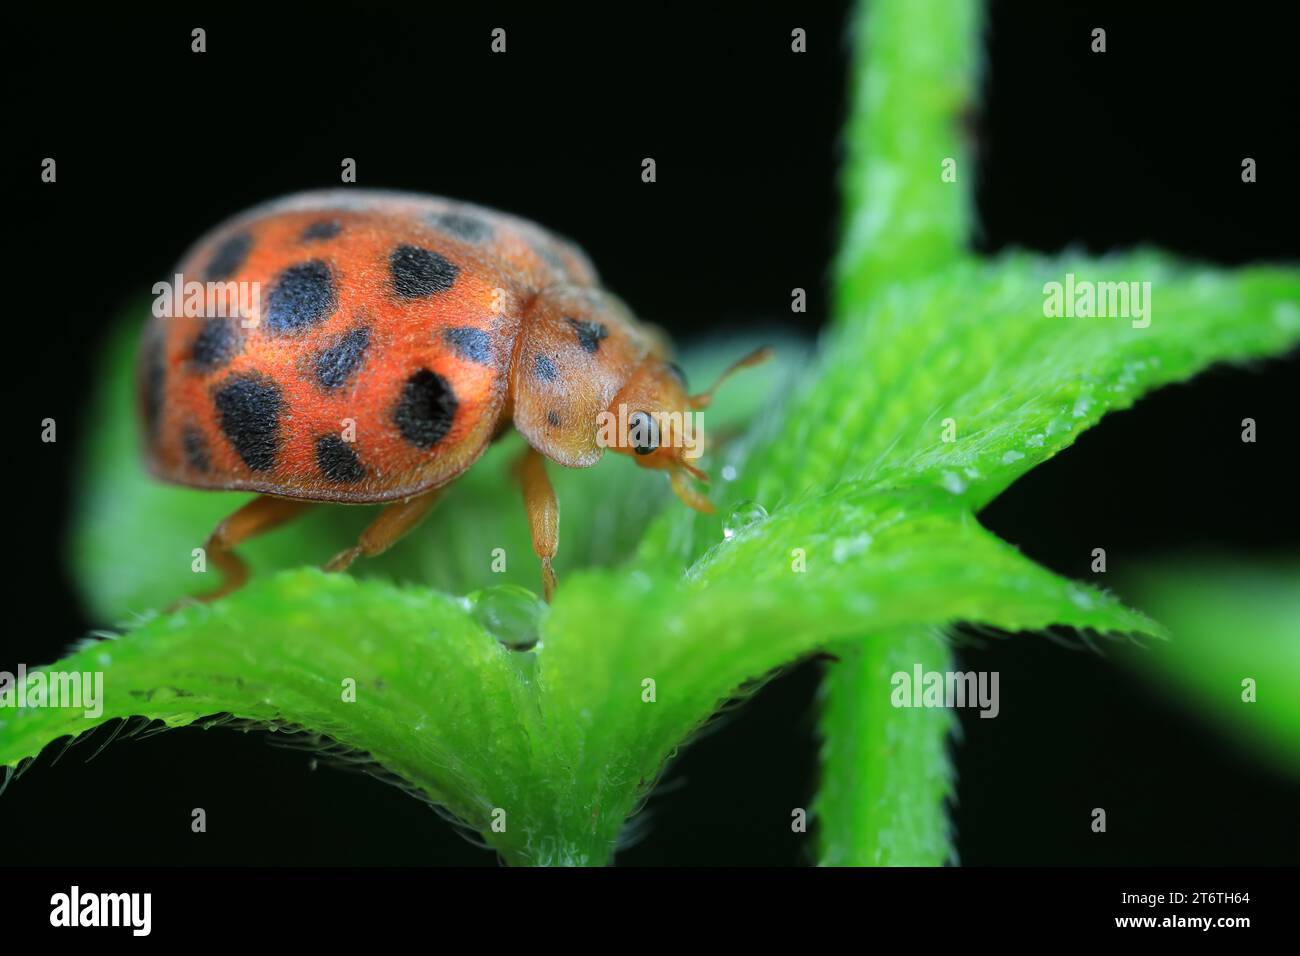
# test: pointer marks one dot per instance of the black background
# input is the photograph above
(1142, 144)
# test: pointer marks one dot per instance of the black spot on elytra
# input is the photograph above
(154, 374)
(319, 231)
(589, 333)
(334, 365)
(471, 344)
(551, 257)
(418, 272)
(425, 409)
(249, 409)
(216, 344)
(196, 449)
(462, 226)
(230, 255)
(303, 295)
(553, 418)
(336, 459)
(545, 369)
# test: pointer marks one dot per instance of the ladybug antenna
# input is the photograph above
(756, 357)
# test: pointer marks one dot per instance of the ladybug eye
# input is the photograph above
(643, 432)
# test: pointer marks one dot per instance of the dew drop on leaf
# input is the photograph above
(510, 613)
(845, 548)
(1082, 598)
(744, 515)
(1286, 315)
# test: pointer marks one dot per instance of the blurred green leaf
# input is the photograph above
(1230, 621)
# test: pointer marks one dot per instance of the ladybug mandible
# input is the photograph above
(388, 338)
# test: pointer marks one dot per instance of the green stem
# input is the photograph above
(886, 771)
(913, 85)
(886, 775)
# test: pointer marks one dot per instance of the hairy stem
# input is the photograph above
(885, 771)
(913, 83)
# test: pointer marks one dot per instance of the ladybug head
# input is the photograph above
(660, 425)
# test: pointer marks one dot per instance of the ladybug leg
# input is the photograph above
(391, 524)
(260, 515)
(543, 513)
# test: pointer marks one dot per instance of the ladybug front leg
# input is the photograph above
(543, 513)
(257, 517)
(391, 525)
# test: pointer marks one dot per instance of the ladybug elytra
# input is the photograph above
(391, 338)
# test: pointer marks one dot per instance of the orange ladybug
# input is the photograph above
(364, 346)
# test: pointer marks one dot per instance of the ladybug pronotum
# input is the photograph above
(394, 336)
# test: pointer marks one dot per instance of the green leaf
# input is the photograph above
(280, 652)
(1230, 621)
(972, 344)
(565, 738)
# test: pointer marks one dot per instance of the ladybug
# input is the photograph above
(379, 342)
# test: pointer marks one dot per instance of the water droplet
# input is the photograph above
(744, 515)
(1286, 315)
(1206, 283)
(729, 472)
(1082, 598)
(510, 613)
(1012, 456)
(641, 581)
(1035, 441)
(952, 482)
(845, 548)
(1081, 407)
